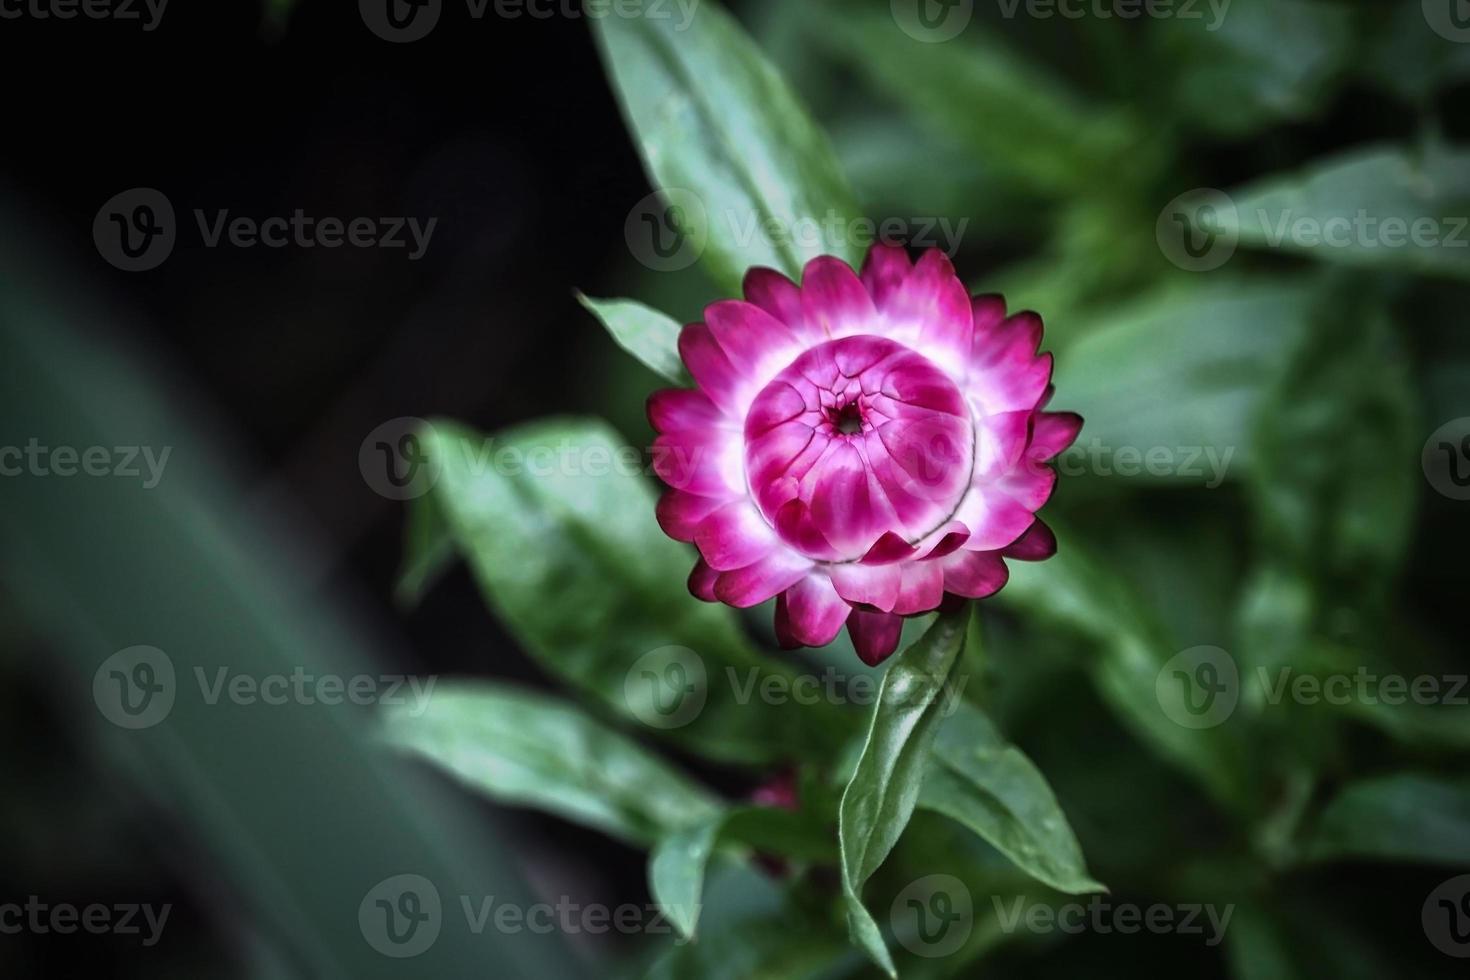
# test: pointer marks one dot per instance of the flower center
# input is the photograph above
(857, 437)
(848, 419)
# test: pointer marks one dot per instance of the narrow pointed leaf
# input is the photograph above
(879, 799)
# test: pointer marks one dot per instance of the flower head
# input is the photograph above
(858, 446)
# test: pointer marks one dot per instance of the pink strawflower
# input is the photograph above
(858, 446)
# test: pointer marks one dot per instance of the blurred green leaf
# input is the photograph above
(523, 748)
(1258, 948)
(556, 520)
(753, 931)
(1337, 446)
(978, 779)
(677, 866)
(1080, 591)
(1242, 66)
(1181, 372)
(1400, 55)
(282, 802)
(1404, 817)
(713, 118)
(427, 550)
(1012, 116)
(1379, 206)
(642, 331)
(880, 797)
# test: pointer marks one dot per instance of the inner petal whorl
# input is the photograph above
(865, 436)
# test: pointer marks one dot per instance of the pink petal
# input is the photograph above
(946, 540)
(888, 549)
(1013, 340)
(712, 370)
(778, 296)
(995, 519)
(869, 585)
(1053, 432)
(1006, 373)
(702, 582)
(810, 613)
(735, 536)
(922, 588)
(884, 270)
(1037, 544)
(1000, 442)
(874, 635)
(757, 344)
(988, 311)
(680, 513)
(847, 506)
(754, 584)
(795, 526)
(835, 300)
(706, 462)
(974, 574)
(934, 300)
(675, 409)
(1030, 485)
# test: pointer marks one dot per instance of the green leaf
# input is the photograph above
(428, 550)
(1079, 590)
(978, 779)
(1182, 372)
(1404, 817)
(753, 931)
(723, 136)
(1013, 117)
(879, 799)
(1335, 480)
(677, 866)
(1379, 207)
(526, 749)
(647, 334)
(556, 519)
(1255, 64)
(1404, 58)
